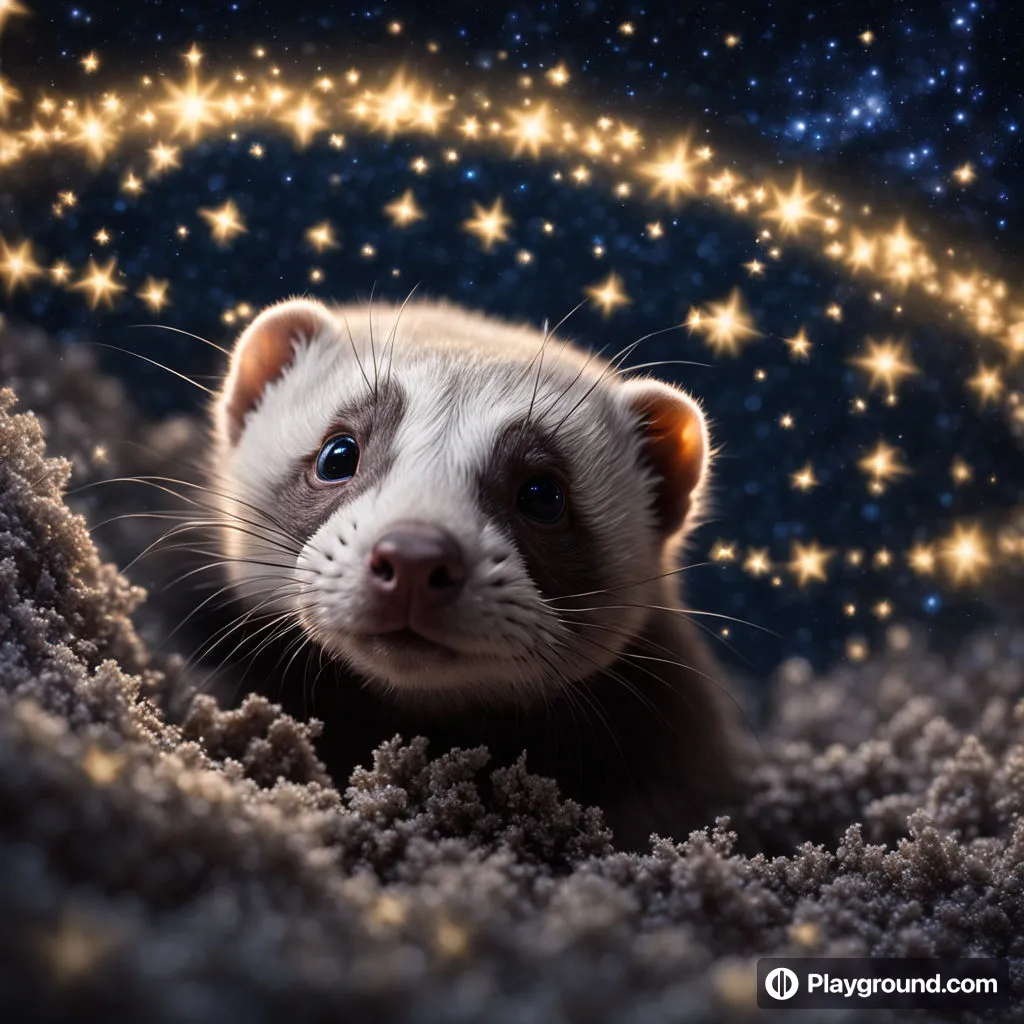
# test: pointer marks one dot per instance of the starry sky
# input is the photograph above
(907, 114)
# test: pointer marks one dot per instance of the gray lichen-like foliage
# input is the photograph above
(211, 871)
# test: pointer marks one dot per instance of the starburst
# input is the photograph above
(163, 158)
(488, 225)
(154, 294)
(94, 134)
(608, 294)
(321, 236)
(192, 105)
(757, 562)
(792, 209)
(808, 562)
(304, 120)
(799, 345)
(726, 326)
(17, 265)
(99, 283)
(804, 479)
(530, 131)
(965, 553)
(404, 210)
(672, 173)
(921, 558)
(225, 221)
(987, 384)
(883, 463)
(887, 364)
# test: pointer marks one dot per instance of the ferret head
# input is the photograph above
(447, 502)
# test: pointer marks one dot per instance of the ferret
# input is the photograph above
(475, 526)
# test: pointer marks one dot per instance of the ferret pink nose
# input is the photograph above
(417, 563)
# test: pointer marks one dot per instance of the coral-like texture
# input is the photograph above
(211, 871)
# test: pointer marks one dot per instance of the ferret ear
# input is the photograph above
(261, 355)
(675, 443)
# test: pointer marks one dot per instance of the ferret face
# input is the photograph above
(446, 502)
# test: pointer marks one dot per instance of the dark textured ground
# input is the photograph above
(211, 873)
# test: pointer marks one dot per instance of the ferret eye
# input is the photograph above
(338, 459)
(542, 499)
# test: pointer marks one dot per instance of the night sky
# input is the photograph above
(897, 250)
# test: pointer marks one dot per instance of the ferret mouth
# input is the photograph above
(407, 643)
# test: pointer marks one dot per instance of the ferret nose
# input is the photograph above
(418, 563)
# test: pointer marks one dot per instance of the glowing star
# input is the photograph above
(99, 283)
(755, 268)
(757, 562)
(192, 106)
(608, 294)
(60, 272)
(960, 471)
(726, 326)
(921, 559)
(987, 384)
(304, 121)
(723, 552)
(225, 221)
(94, 134)
(131, 184)
(886, 363)
(390, 109)
(531, 130)
(90, 63)
(793, 209)
(321, 236)
(489, 226)
(193, 57)
(964, 174)
(17, 265)
(799, 345)
(558, 75)
(8, 95)
(163, 158)
(154, 294)
(883, 463)
(808, 562)
(404, 210)
(672, 174)
(965, 553)
(804, 479)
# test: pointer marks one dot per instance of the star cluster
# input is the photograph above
(859, 360)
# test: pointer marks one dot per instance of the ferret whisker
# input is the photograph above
(675, 662)
(611, 366)
(355, 353)
(545, 338)
(553, 601)
(685, 612)
(208, 601)
(153, 362)
(373, 349)
(202, 526)
(661, 362)
(160, 483)
(240, 621)
(389, 345)
(187, 334)
(206, 489)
